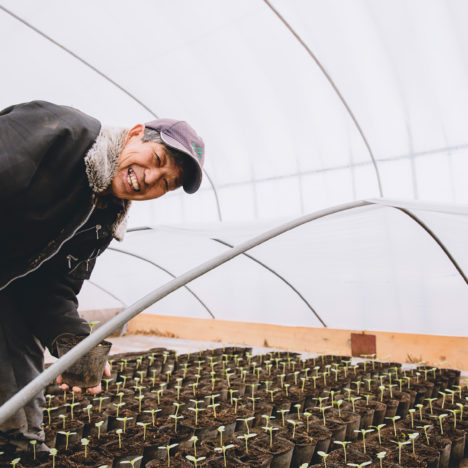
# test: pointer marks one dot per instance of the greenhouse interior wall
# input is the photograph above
(358, 109)
(335, 177)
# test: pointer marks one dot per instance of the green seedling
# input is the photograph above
(72, 407)
(324, 457)
(358, 384)
(67, 435)
(394, 419)
(378, 429)
(196, 411)
(323, 409)
(363, 433)
(100, 399)
(382, 390)
(246, 437)
(220, 430)
(283, 413)
(14, 462)
(177, 405)
(88, 412)
(298, 407)
(267, 419)
(33, 442)
(117, 408)
(53, 453)
(92, 325)
(454, 413)
(353, 402)
(246, 422)
(425, 428)
(223, 449)
(430, 400)
(124, 419)
(119, 434)
(321, 400)
(63, 417)
(413, 436)
(343, 445)
(143, 425)
(441, 417)
(400, 446)
(270, 430)
(49, 410)
(411, 413)
(215, 405)
(98, 425)
(338, 405)
(132, 462)
(106, 383)
(194, 440)
(307, 416)
(360, 465)
(381, 456)
(452, 395)
(194, 460)
(153, 412)
(49, 399)
(84, 443)
(294, 425)
(168, 451)
(175, 418)
(231, 394)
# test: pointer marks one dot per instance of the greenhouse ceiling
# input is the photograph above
(303, 105)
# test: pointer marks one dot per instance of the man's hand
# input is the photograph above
(93, 390)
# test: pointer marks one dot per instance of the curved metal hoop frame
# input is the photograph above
(147, 260)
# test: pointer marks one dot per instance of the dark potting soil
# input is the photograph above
(92, 458)
(279, 446)
(27, 459)
(320, 434)
(254, 458)
(130, 447)
(352, 456)
(407, 460)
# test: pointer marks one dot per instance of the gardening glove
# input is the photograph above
(93, 390)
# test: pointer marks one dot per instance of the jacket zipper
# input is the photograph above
(98, 227)
(59, 247)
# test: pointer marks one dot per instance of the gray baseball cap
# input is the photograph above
(181, 136)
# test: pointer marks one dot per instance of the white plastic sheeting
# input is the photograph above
(279, 140)
(280, 143)
(370, 268)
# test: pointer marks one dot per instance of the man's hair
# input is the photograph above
(182, 160)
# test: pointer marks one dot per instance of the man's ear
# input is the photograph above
(137, 131)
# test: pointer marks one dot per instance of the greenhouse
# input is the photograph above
(307, 306)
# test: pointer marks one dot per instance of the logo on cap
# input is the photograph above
(198, 150)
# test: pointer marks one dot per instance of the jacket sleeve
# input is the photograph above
(30, 132)
(51, 306)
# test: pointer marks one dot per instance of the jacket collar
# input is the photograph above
(101, 163)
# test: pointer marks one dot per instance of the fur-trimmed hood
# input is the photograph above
(101, 163)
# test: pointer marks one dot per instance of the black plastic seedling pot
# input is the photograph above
(87, 371)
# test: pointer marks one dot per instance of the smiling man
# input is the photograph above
(66, 184)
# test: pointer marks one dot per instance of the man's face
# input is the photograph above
(145, 169)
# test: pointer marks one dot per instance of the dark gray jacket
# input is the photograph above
(51, 231)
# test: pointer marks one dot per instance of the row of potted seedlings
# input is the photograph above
(229, 408)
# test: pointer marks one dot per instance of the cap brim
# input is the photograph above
(193, 180)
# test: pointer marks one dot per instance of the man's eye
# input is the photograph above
(166, 184)
(158, 158)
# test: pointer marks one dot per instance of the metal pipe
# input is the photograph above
(21, 398)
(335, 88)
